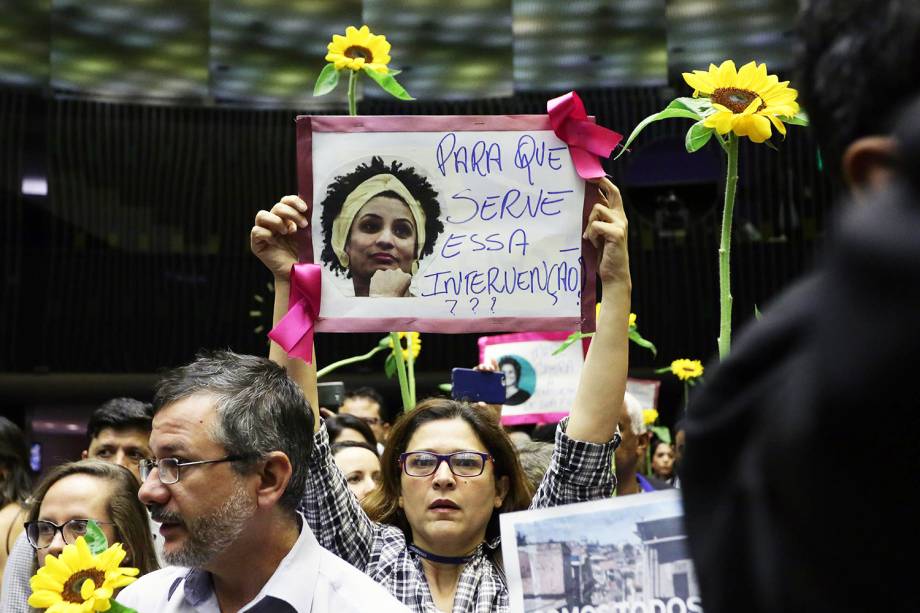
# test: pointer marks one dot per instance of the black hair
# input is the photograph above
(373, 395)
(343, 185)
(514, 364)
(856, 74)
(337, 423)
(260, 410)
(120, 414)
(14, 456)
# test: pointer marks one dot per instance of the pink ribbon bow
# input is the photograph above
(295, 330)
(586, 139)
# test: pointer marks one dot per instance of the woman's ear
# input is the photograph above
(502, 484)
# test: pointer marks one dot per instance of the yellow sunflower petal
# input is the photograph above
(700, 81)
(778, 124)
(87, 589)
(727, 75)
(755, 127)
(70, 556)
(632, 320)
(57, 569)
(86, 556)
(120, 582)
(722, 120)
(747, 76)
(45, 582)
(43, 599)
(103, 592)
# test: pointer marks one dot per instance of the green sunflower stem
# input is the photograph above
(410, 369)
(686, 397)
(725, 248)
(358, 358)
(352, 92)
(401, 371)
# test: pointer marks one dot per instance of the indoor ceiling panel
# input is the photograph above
(24, 43)
(589, 43)
(446, 50)
(701, 32)
(269, 52)
(147, 49)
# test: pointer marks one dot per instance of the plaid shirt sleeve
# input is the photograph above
(16, 575)
(579, 471)
(332, 511)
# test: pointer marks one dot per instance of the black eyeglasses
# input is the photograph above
(461, 463)
(41, 533)
(169, 467)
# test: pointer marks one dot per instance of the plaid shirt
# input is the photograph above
(16, 575)
(578, 472)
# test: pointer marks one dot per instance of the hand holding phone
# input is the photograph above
(477, 386)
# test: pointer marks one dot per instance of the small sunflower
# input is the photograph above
(632, 320)
(746, 101)
(414, 339)
(649, 416)
(78, 581)
(686, 370)
(359, 49)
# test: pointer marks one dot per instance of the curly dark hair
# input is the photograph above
(343, 185)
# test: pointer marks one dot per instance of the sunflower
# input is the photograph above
(79, 582)
(414, 339)
(746, 101)
(632, 320)
(649, 416)
(687, 369)
(359, 49)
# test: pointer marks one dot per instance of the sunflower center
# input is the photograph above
(71, 591)
(356, 51)
(735, 99)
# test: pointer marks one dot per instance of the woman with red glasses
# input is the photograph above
(430, 532)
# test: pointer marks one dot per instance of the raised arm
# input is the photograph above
(273, 240)
(602, 385)
(331, 510)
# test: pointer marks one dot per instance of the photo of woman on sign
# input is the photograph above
(378, 221)
(514, 387)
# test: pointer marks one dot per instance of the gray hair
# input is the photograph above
(634, 410)
(535, 458)
(259, 410)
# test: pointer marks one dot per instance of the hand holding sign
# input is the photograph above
(272, 238)
(607, 230)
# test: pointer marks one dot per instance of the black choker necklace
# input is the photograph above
(442, 559)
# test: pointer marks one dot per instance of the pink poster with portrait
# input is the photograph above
(445, 224)
(539, 386)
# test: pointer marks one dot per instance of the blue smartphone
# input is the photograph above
(477, 386)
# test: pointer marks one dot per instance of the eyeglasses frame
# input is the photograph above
(57, 529)
(156, 464)
(444, 457)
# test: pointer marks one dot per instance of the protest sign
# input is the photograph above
(645, 391)
(617, 555)
(445, 224)
(539, 386)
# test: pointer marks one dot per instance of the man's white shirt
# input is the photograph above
(309, 579)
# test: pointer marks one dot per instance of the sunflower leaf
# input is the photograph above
(697, 136)
(635, 337)
(662, 432)
(326, 81)
(389, 367)
(668, 113)
(117, 607)
(95, 538)
(700, 106)
(800, 119)
(388, 84)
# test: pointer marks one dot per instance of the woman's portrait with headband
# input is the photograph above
(378, 221)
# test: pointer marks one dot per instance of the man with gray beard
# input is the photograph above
(232, 436)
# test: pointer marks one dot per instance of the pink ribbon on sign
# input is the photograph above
(295, 330)
(586, 139)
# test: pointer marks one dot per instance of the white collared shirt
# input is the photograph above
(309, 579)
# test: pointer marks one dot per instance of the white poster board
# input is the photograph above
(492, 242)
(619, 555)
(540, 386)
